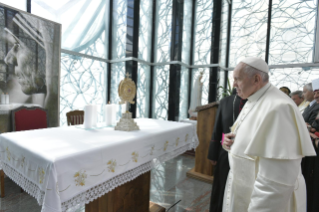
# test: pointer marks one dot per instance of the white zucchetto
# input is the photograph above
(315, 84)
(256, 63)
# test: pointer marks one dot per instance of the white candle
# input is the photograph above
(7, 99)
(3, 99)
(90, 116)
(95, 115)
(109, 114)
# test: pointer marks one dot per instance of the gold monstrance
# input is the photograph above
(127, 92)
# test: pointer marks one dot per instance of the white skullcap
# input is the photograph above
(256, 63)
(315, 84)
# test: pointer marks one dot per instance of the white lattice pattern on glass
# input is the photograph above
(163, 30)
(82, 82)
(293, 78)
(203, 31)
(249, 30)
(119, 29)
(145, 30)
(117, 74)
(160, 92)
(187, 29)
(292, 31)
(143, 90)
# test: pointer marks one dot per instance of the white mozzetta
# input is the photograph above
(67, 167)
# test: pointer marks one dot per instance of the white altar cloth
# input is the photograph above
(67, 167)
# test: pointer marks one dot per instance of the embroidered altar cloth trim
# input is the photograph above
(67, 167)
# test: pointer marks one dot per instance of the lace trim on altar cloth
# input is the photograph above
(27, 185)
(103, 188)
(97, 191)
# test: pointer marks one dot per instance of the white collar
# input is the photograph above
(259, 93)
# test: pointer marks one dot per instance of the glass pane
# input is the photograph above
(293, 78)
(231, 78)
(160, 92)
(205, 82)
(249, 30)
(183, 97)
(83, 81)
(19, 4)
(292, 31)
(221, 89)
(98, 48)
(163, 30)
(223, 34)
(119, 29)
(145, 30)
(203, 32)
(117, 75)
(143, 91)
(84, 23)
(187, 29)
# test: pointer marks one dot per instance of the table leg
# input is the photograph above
(1, 183)
(129, 197)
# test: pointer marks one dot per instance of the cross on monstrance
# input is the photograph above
(127, 92)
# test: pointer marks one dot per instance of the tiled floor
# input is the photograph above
(169, 185)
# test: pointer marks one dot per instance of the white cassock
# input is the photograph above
(265, 172)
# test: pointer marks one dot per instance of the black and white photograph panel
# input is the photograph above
(30, 60)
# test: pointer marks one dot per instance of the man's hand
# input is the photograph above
(313, 136)
(213, 162)
(228, 140)
(308, 127)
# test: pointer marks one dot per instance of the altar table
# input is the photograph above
(65, 168)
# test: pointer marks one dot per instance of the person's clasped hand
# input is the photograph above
(228, 140)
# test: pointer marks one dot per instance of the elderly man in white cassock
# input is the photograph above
(265, 147)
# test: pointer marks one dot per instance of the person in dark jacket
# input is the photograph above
(308, 163)
(228, 110)
(311, 164)
(312, 109)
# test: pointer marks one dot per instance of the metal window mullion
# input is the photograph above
(215, 44)
(268, 32)
(132, 66)
(109, 65)
(316, 44)
(150, 114)
(175, 70)
(228, 43)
